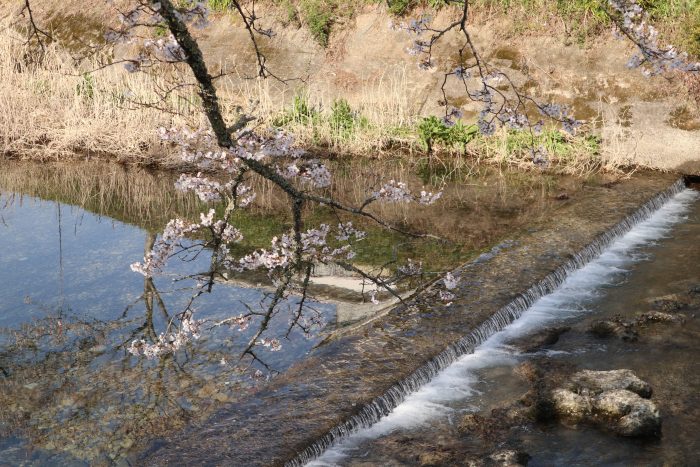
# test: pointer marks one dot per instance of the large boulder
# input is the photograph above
(616, 400)
(570, 405)
(591, 382)
(630, 414)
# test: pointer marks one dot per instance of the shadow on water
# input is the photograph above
(69, 304)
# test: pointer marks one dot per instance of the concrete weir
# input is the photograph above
(360, 376)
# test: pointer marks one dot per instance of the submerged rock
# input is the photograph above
(543, 338)
(627, 330)
(615, 327)
(496, 425)
(668, 303)
(616, 400)
(435, 458)
(503, 458)
(660, 317)
(470, 423)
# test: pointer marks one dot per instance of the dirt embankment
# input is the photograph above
(649, 121)
(652, 122)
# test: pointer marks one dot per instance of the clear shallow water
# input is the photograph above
(69, 305)
(62, 260)
(69, 392)
(476, 381)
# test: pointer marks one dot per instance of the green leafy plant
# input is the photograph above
(160, 30)
(342, 118)
(399, 7)
(220, 5)
(556, 143)
(437, 4)
(292, 15)
(300, 112)
(86, 87)
(432, 130)
(318, 15)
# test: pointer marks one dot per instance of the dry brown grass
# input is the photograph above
(55, 112)
(385, 117)
(132, 195)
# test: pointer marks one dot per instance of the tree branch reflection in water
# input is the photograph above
(70, 389)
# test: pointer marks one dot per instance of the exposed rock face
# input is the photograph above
(616, 399)
(544, 374)
(633, 415)
(589, 382)
(570, 405)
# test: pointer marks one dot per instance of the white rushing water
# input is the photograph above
(568, 301)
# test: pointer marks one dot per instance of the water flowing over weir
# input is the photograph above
(383, 405)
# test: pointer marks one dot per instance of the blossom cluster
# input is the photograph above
(450, 117)
(149, 15)
(221, 229)
(241, 322)
(411, 268)
(200, 147)
(653, 58)
(450, 282)
(310, 321)
(205, 189)
(311, 172)
(398, 192)
(273, 344)
(164, 247)
(167, 342)
(313, 247)
(257, 146)
(346, 231)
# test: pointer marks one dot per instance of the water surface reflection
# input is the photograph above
(69, 306)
